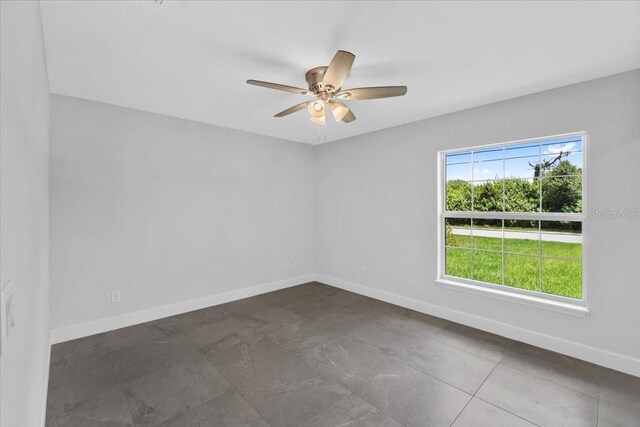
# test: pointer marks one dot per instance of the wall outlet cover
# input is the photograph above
(115, 297)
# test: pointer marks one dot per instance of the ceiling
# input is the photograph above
(190, 59)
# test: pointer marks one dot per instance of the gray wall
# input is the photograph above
(24, 211)
(168, 210)
(376, 197)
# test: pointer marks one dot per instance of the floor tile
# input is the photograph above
(227, 410)
(74, 382)
(258, 362)
(479, 413)
(70, 352)
(170, 391)
(560, 369)
(85, 370)
(302, 330)
(251, 305)
(352, 411)
(294, 403)
(304, 291)
(406, 394)
(610, 415)
(217, 335)
(188, 321)
(143, 359)
(382, 336)
(382, 312)
(539, 401)
(276, 382)
(318, 306)
(105, 409)
(274, 314)
(132, 336)
(620, 389)
(314, 355)
(346, 298)
(485, 344)
(457, 367)
(423, 324)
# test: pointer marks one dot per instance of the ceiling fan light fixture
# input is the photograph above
(316, 108)
(318, 120)
(339, 110)
(316, 111)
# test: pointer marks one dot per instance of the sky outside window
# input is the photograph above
(513, 161)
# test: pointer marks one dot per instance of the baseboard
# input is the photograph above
(601, 357)
(45, 389)
(116, 322)
(595, 355)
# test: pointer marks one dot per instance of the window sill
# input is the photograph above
(577, 309)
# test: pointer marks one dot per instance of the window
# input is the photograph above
(511, 219)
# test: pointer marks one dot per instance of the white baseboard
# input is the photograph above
(45, 389)
(116, 322)
(601, 357)
(595, 355)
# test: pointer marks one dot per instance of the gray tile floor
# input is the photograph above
(314, 355)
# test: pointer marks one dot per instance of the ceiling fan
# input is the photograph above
(325, 85)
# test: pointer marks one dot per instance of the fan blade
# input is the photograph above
(293, 109)
(349, 117)
(280, 87)
(338, 109)
(338, 69)
(362, 93)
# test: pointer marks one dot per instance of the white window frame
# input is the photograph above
(522, 296)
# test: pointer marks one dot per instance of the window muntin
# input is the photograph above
(512, 216)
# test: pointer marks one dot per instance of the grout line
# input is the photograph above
(460, 413)
(485, 380)
(245, 399)
(477, 355)
(542, 379)
(120, 381)
(338, 381)
(231, 385)
(507, 411)
(319, 374)
(550, 381)
(436, 338)
(332, 340)
(379, 409)
(402, 362)
(405, 364)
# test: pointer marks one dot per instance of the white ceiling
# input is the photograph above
(190, 59)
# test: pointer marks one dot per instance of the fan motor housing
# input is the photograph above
(314, 79)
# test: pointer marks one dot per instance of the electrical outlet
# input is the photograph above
(287, 265)
(115, 297)
(364, 270)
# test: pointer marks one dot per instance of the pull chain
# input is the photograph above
(325, 128)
